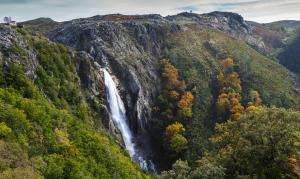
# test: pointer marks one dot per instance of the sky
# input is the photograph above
(61, 10)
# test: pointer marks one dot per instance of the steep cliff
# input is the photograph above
(129, 46)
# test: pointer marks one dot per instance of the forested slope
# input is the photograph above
(47, 127)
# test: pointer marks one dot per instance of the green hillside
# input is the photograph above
(47, 129)
(199, 66)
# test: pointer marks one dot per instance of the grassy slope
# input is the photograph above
(47, 128)
(199, 68)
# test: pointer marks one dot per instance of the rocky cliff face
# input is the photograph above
(130, 47)
(11, 42)
(230, 23)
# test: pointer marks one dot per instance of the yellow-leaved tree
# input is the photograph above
(176, 142)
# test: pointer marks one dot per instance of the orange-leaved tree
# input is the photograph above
(228, 103)
(174, 104)
(185, 105)
(229, 100)
(174, 99)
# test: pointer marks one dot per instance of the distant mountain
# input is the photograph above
(40, 24)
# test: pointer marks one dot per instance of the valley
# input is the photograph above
(147, 96)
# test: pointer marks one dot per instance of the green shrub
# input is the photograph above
(4, 130)
(17, 50)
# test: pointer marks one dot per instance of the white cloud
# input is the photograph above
(256, 10)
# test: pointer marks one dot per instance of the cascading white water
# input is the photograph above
(118, 114)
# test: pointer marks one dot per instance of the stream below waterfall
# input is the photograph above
(118, 114)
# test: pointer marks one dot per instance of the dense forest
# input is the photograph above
(252, 140)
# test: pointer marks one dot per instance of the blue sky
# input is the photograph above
(61, 10)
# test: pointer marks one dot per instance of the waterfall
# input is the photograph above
(118, 114)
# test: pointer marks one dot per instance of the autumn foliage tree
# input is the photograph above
(228, 103)
(174, 105)
(228, 79)
(185, 105)
(186, 100)
(171, 77)
(173, 129)
(175, 140)
(229, 100)
(174, 100)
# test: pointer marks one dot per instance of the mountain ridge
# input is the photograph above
(240, 28)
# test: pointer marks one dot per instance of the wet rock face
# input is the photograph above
(137, 91)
